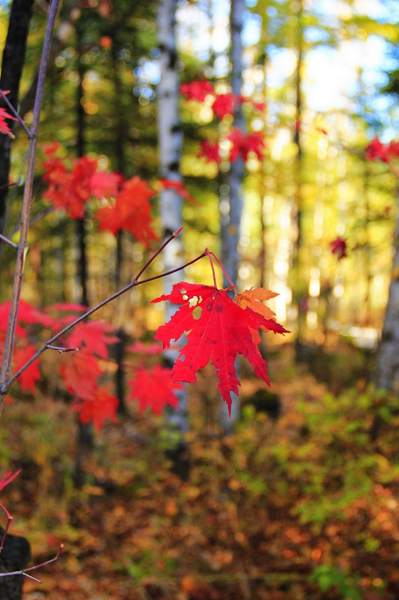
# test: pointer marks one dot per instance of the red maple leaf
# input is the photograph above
(80, 374)
(105, 185)
(210, 151)
(69, 191)
(179, 187)
(224, 105)
(8, 478)
(102, 406)
(217, 330)
(29, 378)
(154, 388)
(197, 90)
(131, 211)
(244, 144)
(94, 335)
(376, 150)
(253, 299)
(32, 316)
(339, 247)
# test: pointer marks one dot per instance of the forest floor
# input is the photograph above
(304, 506)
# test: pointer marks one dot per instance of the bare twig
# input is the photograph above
(19, 266)
(61, 350)
(5, 239)
(25, 573)
(9, 520)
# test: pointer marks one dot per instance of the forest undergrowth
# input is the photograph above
(303, 506)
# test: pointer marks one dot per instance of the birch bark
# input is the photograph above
(170, 140)
(230, 223)
(387, 368)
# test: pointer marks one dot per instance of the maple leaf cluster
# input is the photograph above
(80, 370)
(125, 203)
(376, 150)
(217, 329)
(241, 146)
(222, 104)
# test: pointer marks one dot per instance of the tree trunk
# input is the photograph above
(387, 370)
(297, 207)
(230, 223)
(170, 137)
(11, 71)
(120, 140)
(85, 431)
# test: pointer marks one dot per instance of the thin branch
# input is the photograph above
(9, 520)
(22, 245)
(5, 239)
(25, 573)
(60, 349)
(15, 113)
(4, 389)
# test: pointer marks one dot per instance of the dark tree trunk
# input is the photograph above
(11, 71)
(85, 431)
(120, 141)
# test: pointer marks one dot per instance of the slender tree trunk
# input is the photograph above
(85, 430)
(230, 224)
(297, 208)
(387, 371)
(120, 140)
(170, 138)
(11, 71)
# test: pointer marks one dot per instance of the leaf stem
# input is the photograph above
(223, 269)
(208, 253)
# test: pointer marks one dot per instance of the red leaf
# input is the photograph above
(218, 330)
(197, 90)
(98, 409)
(131, 212)
(210, 151)
(80, 373)
(8, 478)
(145, 348)
(67, 306)
(4, 128)
(94, 335)
(105, 185)
(339, 247)
(154, 388)
(224, 105)
(253, 299)
(180, 189)
(29, 378)
(31, 316)
(244, 144)
(376, 150)
(69, 191)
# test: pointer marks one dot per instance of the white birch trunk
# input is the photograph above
(387, 374)
(230, 224)
(170, 139)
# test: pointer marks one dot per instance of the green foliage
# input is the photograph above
(346, 445)
(328, 577)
